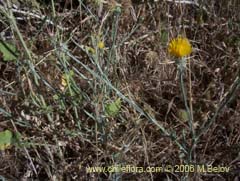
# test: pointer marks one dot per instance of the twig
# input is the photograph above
(26, 151)
(228, 97)
(34, 15)
(184, 2)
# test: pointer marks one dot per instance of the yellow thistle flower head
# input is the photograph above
(179, 47)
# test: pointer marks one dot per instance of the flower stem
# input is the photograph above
(181, 68)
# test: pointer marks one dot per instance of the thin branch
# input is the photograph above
(37, 16)
(227, 98)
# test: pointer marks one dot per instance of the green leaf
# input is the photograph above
(55, 97)
(5, 139)
(182, 115)
(164, 37)
(113, 108)
(9, 51)
(16, 139)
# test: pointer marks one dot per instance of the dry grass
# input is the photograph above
(65, 130)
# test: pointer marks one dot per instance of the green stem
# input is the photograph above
(181, 68)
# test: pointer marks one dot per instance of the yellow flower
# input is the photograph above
(65, 78)
(101, 45)
(179, 47)
(63, 81)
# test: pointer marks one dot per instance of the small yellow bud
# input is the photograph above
(90, 50)
(101, 45)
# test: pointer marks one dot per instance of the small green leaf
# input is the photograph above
(8, 51)
(55, 97)
(164, 37)
(183, 115)
(113, 108)
(16, 139)
(5, 139)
